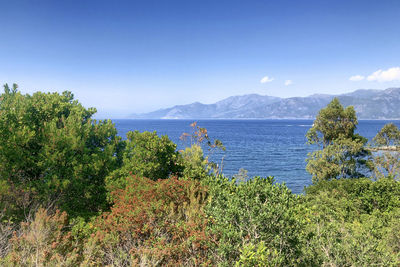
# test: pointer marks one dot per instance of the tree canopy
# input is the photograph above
(332, 122)
(387, 156)
(342, 152)
(51, 147)
(146, 155)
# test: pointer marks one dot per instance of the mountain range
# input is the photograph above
(368, 103)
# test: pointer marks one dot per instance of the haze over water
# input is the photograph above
(263, 147)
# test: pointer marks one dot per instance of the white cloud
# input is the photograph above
(266, 79)
(356, 78)
(392, 74)
(288, 82)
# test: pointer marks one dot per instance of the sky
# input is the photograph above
(125, 57)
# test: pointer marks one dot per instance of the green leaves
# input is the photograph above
(389, 135)
(351, 222)
(252, 212)
(145, 155)
(332, 122)
(340, 159)
(342, 152)
(50, 144)
(387, 157)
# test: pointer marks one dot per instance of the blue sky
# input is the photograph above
(125, 57)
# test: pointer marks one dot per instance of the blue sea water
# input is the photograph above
(263, 147)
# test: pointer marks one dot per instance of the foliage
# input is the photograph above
(363, 195)
(7, 228)
(245, 214)
(200, 136)
(259, 255)
(196, 166)
(146, 155)
(332, 122)
(152, 223)
(241, 176)
(387, 162)
(351, 223)
(51, 147)
(42, 241)
(53, 154)
(194, 159)
(16, 203)
(342, 153)
(343, 158)
(389, 135)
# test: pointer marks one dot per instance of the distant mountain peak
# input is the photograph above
(369, 104)
(320, 95)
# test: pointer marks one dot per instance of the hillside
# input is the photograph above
(369, 104)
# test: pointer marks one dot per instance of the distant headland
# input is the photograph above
(368, 103)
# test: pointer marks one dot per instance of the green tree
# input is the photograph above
(332, 122)
(387, 158)
(146, 155)
(50, 146)
(342, 152)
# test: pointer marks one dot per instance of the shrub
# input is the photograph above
(351, 222)
(364, 195)
(195, 165)
(7, 228)
(146, 155)
(42, 241)
(152, 223)
(244, 215)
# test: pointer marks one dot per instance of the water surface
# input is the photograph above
(263, 147)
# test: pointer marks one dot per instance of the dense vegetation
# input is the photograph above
(72, 193)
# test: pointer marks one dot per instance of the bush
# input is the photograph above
(351, 222)
(244, 215)
(363, 194)
(146, 155)
(152, 223)
(195, 165)
(42, 241)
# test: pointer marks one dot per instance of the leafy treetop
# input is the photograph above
(389, 135)
(51, 147)
(332, 122)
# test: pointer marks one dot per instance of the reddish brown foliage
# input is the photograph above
(43, 241)
(156, 222)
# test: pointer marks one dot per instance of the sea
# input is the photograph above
(263, 148)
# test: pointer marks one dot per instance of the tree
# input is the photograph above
(389, 135)
(51, 147)
(342, 152)
(332, 122)
(387, 158)
(146, 155)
